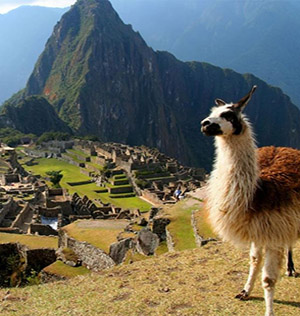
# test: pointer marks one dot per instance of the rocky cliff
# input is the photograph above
(103, 79)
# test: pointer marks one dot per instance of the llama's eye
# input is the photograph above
(229, 116)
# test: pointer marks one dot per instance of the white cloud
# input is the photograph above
(7, 5)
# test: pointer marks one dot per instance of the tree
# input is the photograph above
(55, 177)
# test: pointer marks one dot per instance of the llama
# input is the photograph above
(253, 194)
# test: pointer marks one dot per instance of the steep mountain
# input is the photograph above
(33, 114)
(102, 79)
(260, 37)
(23, 34)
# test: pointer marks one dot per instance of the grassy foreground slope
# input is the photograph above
(192, 282)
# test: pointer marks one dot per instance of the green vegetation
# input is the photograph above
(142, 184)
(70, 254)
(98, 234)
(162, 248)
(180, 227)
(71, 172)
(122, 195)
(61, 269)
(78, 152)
(120, 176)
(4, 167)
(55, 177)
(74, 157)
(203, 228)
(192, 282)
(31, 241)
(133, 256)
(95, 165)
(13, 137)
(141, 173)
(47, 136)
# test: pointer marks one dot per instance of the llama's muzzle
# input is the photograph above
(210, 129)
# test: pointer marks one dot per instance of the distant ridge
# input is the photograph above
(261, 37)
(23, 34)
(102, 79)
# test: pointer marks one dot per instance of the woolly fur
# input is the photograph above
(252, 196)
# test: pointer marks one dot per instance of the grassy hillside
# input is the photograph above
(31, 241)
(63, 270)
(99, 233)
(193, 282)
(199, 281)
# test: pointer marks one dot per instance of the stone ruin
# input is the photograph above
(160, 174)
(143, 240)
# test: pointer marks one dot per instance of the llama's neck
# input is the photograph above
(234, 179)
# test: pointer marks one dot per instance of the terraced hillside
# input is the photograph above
(71, 173)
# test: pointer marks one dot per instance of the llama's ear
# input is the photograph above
(240, 105)
(220, 102)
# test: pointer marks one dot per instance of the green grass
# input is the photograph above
(203, 227)
(61, 269)
(162, 248)
(95, 165)
(130, 202)
(74, 158)
(192, 282)
(4, 167)
(180, 227)
(71, 173)
(109, 185)
(100, 237)
(31, 241)
(120, 176)
(122, 195)
(78, 152)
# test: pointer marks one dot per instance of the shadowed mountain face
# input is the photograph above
(261, 37)
(102, 79)
(23, 34)
(34, 115)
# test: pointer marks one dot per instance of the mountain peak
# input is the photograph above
(102, 79)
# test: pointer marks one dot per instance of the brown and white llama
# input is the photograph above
(253, 194)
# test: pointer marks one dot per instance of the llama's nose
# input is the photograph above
(205, 123)
(210, 128)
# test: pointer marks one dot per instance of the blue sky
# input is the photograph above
(7, 5)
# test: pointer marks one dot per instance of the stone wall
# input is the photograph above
(102, 152)
(152, 197)
(10, 230)
(117, 190)
(41, 229)
(11, 178)
(55, 191)
(79, 183)
(93, 258)
(49, 212)
(38, 259)
(65, 206)
(19, 221)
(12, 264)
(6, 207)
(88, 172)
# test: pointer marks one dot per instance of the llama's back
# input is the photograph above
(280, 166)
